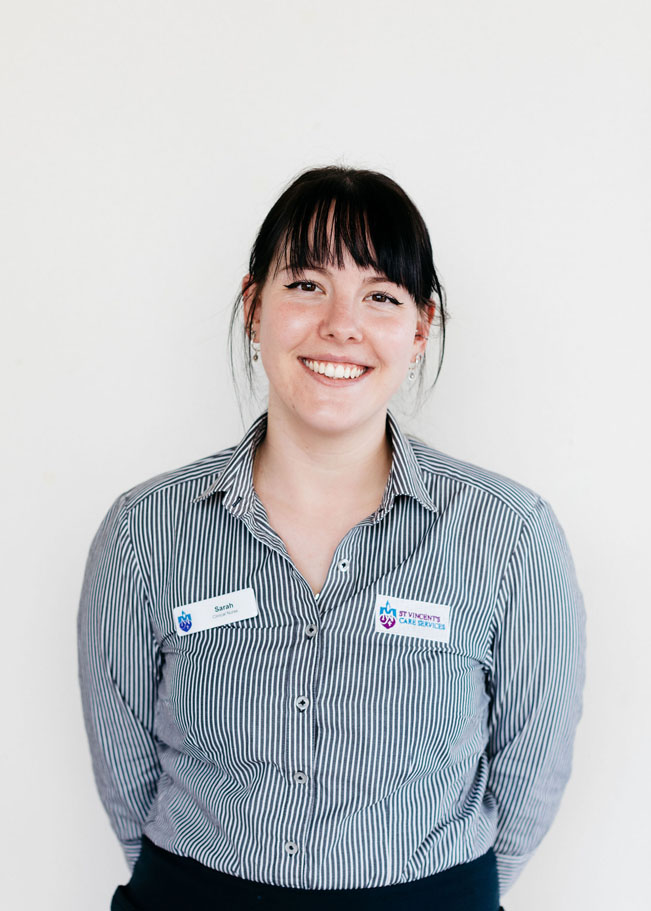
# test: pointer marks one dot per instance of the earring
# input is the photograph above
(255, 346)
(413, 368)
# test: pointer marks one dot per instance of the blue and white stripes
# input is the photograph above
(302, 747)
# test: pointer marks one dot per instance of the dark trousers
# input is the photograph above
(166, 882)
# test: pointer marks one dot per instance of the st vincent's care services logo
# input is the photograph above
(388, 615)
(185, 621)
(417, 619)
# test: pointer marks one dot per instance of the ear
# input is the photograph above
(425, 318)
(249, 300)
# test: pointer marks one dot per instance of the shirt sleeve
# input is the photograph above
(118, 672)
(536, 689)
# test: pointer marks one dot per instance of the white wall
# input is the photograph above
(143, 143)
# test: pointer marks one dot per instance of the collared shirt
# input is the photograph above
(320, 744)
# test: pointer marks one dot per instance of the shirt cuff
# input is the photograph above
(131, 850)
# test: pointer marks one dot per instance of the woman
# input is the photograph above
(331, 665)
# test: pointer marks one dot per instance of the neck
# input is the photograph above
(316, 468)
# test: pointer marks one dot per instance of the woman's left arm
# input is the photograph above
(536, 686)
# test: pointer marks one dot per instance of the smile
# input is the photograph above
(335, 371)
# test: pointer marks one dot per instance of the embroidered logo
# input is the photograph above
(418, 619)
(185, 621)
(387, 615)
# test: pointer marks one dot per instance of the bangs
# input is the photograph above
(373, 224)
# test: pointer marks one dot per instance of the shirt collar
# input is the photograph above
(236, 478)
(406, 476)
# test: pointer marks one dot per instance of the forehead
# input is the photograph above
(367, 274)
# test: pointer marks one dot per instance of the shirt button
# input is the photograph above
(291, 847)
(301, 702)
(343, 565)
(310, 630)
(300, 777)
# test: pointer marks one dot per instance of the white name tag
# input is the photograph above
(418, 619)
(201, 615)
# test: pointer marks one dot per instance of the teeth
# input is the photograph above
(336, 371)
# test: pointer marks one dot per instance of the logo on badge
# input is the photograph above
(387, 615)
(185, 621)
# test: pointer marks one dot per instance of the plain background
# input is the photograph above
(143, 143)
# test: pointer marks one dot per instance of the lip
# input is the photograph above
(333, 381)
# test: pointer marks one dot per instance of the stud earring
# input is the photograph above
(255, 346)
(413, 368)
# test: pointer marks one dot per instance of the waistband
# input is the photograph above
(162, 880)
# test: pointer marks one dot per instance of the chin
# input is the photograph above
(332, 418)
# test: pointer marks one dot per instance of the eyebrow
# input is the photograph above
(367, 281)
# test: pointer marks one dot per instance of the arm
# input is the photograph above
(118, 672)
(536, 688)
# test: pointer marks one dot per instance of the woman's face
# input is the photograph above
(335, 344)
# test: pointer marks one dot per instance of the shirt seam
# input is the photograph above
(136, 497)
(467, 482)
(134, 556)
(502, 583)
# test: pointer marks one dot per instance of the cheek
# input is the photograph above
(285, 326)
(297, 322)
(397, 343)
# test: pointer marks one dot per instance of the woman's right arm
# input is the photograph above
(119, 667)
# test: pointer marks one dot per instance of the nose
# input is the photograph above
(341, 319)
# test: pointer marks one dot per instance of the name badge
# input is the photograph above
(418, 619)
(218, 611)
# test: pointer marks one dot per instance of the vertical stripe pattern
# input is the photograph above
(301, 747)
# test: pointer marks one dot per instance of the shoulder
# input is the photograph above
(180, 484)
(482, 483)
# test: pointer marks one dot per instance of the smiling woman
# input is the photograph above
(331, 666)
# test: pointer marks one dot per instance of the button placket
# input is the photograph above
(302, 668)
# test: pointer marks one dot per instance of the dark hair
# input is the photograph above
(372, 218)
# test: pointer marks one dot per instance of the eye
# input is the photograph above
(380, 297)
(302, 282)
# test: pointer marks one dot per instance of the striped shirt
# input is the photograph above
(347, 740)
